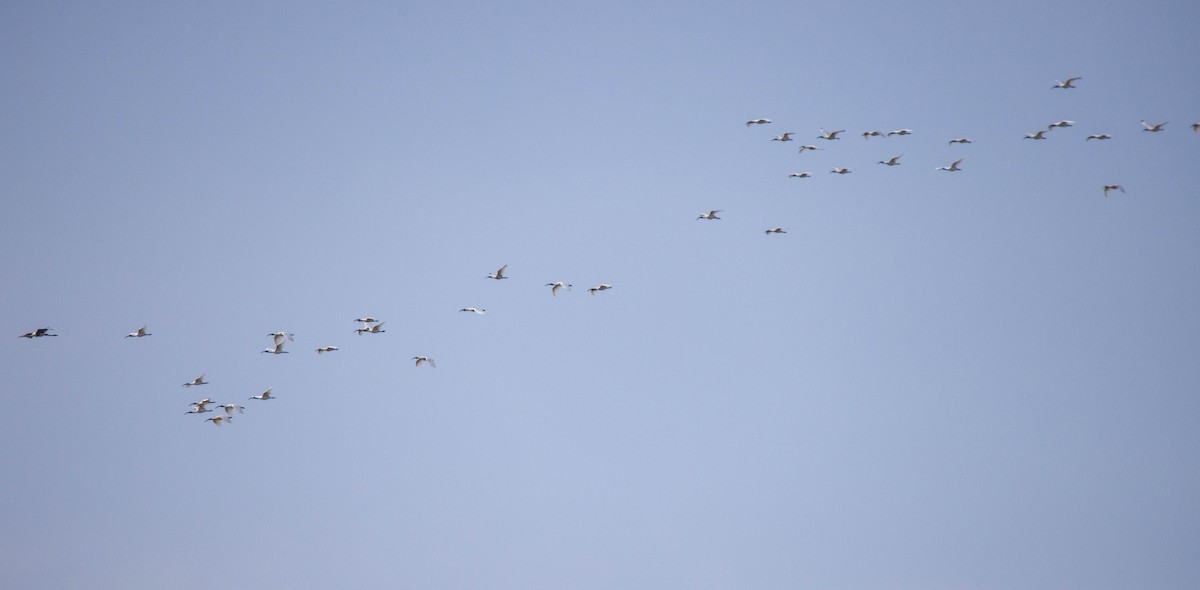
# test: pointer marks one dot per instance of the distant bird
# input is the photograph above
(600, 287)
(229, 408)
(38, 333)
(280, 337)
(1113, 187)
(1039, 135)
(960, 140)
(424, 359)
(953, 167)
(141, 332)
(840, 171)
(558, 286)
(371, 329)
(218, 419)
(805, 148)
(711, 214)
(900, 132)
(775, 230)
(757, 122)
(1063, 123)
(785, 137)
(870, 134)
(800, 175)
(200, 407)
(277, 350)
(266, 395)
(499, 274)
(366, 320)
(830, 135)
(473, 310)
(1098, 136)
(1153, 128)
(1070, 83)
(326, 349)
(892, 161)
(197, 381)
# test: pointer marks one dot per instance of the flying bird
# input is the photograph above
(960, 140)
(473, 310)
(785, 137)
(1100, 136)
(892, 161)
(1063, 123)
(218, 419)
(757, 122)
(277, 350)
(371, 329)
(264, 395)
(711, 214)
(197, 381)
(326, 349)
(38, 333)
(775, 230)
(900, 132)
(558, 286)
(1070, 83)
(424, 359)
(840, 171)
(600, 287)
(830, 135)
(1039, 135)
(953, 167)
(1153, 128)
(281, 337)
(200, 407)
(799, 175)
(366, 320)
(870, 134)
(805, 148)
(1113, 187)
(141, 332)
(499, 274)
(229, 408)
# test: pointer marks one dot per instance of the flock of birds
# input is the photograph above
(369, 325)
(955, 166)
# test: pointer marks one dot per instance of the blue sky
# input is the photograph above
(983, 379)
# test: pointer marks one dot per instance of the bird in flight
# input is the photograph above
(281, 337)
(775, 230)
(366, 320)
(38, 333)
(229, 408)
(499, 274)
(1070, 83)
(218, 419)
(141, 332)
(1100, 136)
(960, 140)
(197, 381)
(805, 148)
(1113, 187)
(830, 135)
(371, 329)
(1063, 123)
(424, 359)
(840, 171)
(558, 286)
(799, 175)
(473, 310)
(278, 349)
(785, 137)
(711, 214)
(900, 132)
(264, 395)
(1153, 128)
(870, 134)
(892, 161)
(953, 167)
(600, 287)
(1041, 134)
(324, 349)
(200, 407)
(757, 122)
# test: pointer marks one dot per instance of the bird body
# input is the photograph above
(600, 287)
(892, 161)
(197, 381)
(1113, 187)
(1063, 123)
(900, 132)
(840, 171)
(800, 175)
(38, 333)
(805, 148)
(775, 230)
(1070, 83)
(558, 286)
(326, 349)
(1101, 136)
(870, 134)
(424, 359)
(277, 350)
(711, 214)
(830, 135)
(757, 122)
(1041, 134)
(785, 137)
(953, 167)
(473, 310)
(371, 329)
(229, 408)
(499, 274)
(960, 140)
(218, 419)
(140, 333)
(366, 320)
(1153, 128)
(266, 395)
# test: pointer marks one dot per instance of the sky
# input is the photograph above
(982, 379)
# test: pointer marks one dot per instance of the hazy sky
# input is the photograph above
(984, 379)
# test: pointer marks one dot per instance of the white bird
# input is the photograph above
(197, 381)
(141, 332)
(775, 230)
(473, 310)
(277, 350)
(711, 214)
(1113, 187)
(805, 148)
(558, 286)
(38, 333)
(424, 359)
(785, 137)
(371, 329)
(280, 337)
(200, 407)
(892, 161)
(1098, 136)
(840, 171)
(960, 140)
(1070, 83)
(799, 175)
(264, 395)
(870, 134)
(757, 122)
(366, 320)
(1063, 123)
(1039, 135)
(326, 349)
(499, 274)
(830, 135)
(900, 132)
(600, 287)
(953, 167)
(229, 408)
(1153, 128)
(218, 419)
